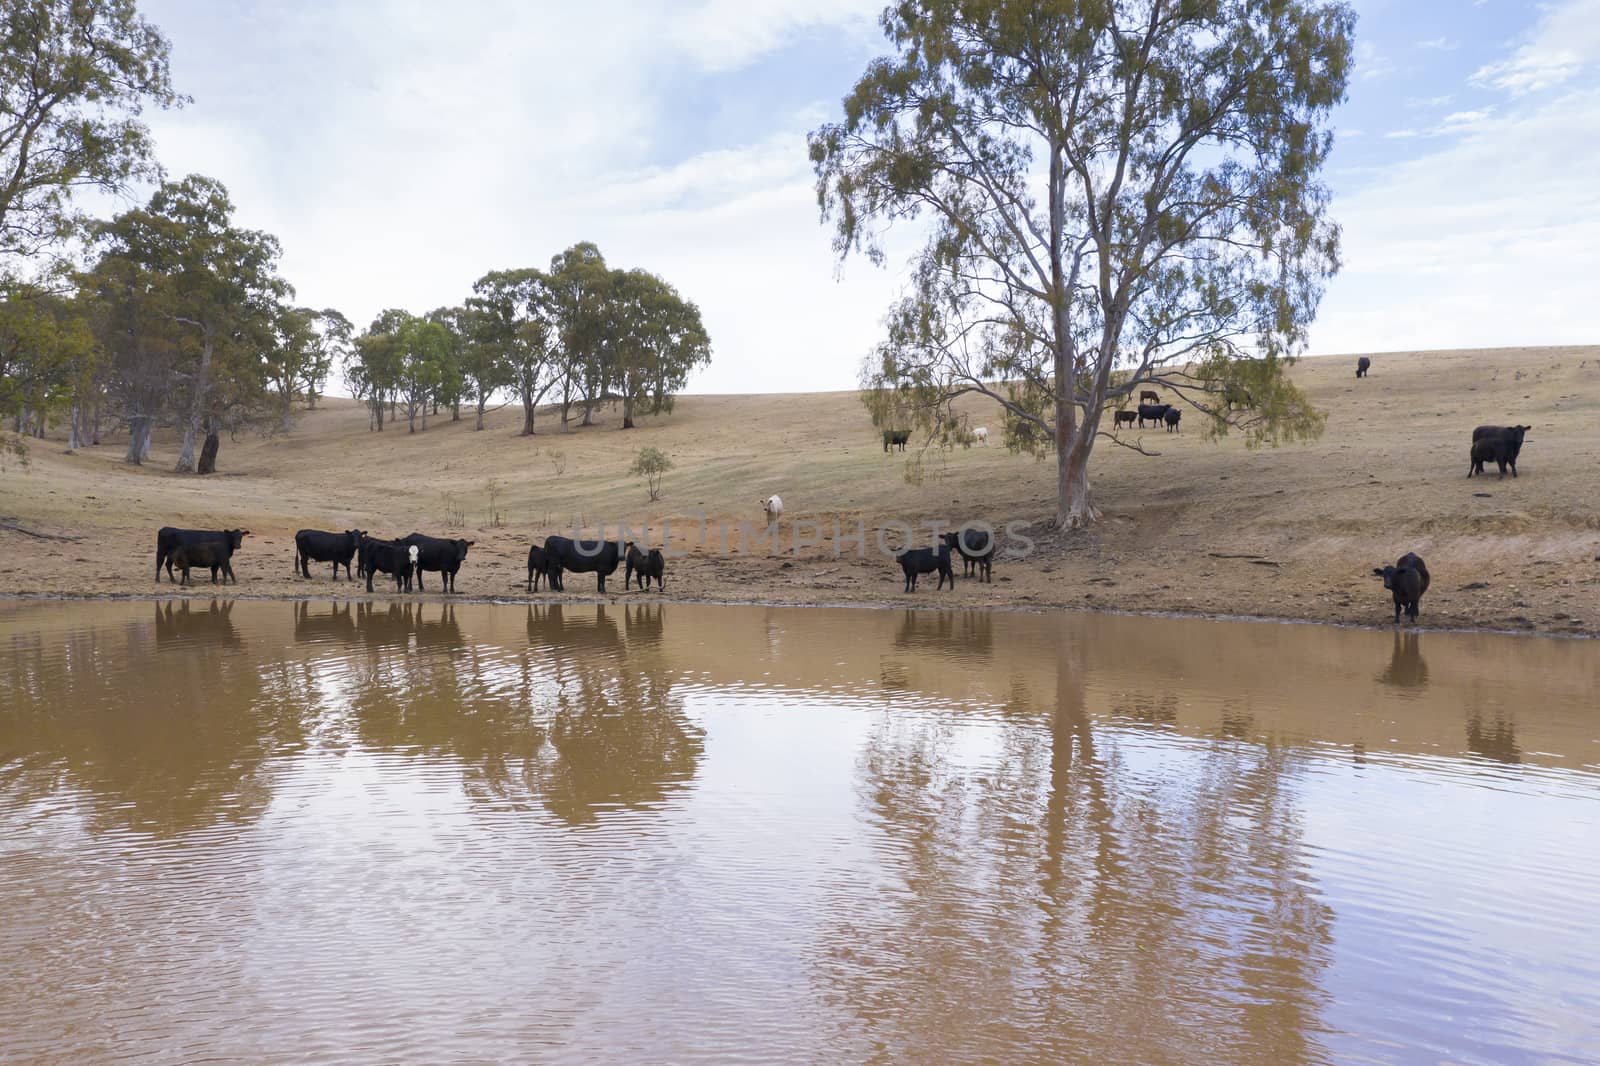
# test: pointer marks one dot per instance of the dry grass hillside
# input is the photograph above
(1290, 532)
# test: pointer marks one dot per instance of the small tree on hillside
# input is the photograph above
(1119, 185)
(652, 465)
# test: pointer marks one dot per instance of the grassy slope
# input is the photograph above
(1387, 477)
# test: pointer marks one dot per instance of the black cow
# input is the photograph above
(1155, 412)
(315, 545)
(389, 557)
(538, 566)
(1172, 416)
(441, 554)
(1362, 366)
(1502, 444)
(976, 548)
(1408, 579)
(896, 438)
(598, 557)
(644, 565)
(168, 538)
(914, 561)
(215, 554)
(1499, 431)
(1124, 417)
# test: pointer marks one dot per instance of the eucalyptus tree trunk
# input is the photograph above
(138, 439)
(208, 453)
(197, 407)
(73, 439)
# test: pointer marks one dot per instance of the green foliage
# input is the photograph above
(1117, 193)
(651, 464)
(74, 77)
(48, 357)
(190, 311)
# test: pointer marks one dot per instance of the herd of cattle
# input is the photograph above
(408, 558)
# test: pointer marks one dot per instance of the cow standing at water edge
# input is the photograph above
(644, 566)
(316, 545)
(203, 552)
(440, 554)
(389, 557)
(168, 539)
(598, 557)
(915, 561)
(1407, 579)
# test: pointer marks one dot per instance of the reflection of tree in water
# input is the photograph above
(1073, 905)
(157, 722)
(1407, 668)
(1495, 739)
(581, 720)
(617, 734)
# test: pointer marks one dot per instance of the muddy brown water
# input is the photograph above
(265, 831)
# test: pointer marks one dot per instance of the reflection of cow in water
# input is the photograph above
(1407, 667)
(338, 626)
(959, 634)
(397, 624)
(179, 624)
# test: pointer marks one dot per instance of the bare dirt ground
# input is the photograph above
(1210, 528)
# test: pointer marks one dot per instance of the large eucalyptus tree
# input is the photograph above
(1119, 192)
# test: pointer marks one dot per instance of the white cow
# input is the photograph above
(981, 435)
(773, 506)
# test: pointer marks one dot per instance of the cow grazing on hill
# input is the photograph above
(1499, 444)
(1362, 366)
(981, 435)
(1124, 418)
(1154, 412)
(441, 554)
(1149, 396)
(598, 557)
(315, 545)
(772, 507)
(643, 567)
(168, 539)
(1172, 416)
(1408, 580)
(1500, 431)
(896, 438)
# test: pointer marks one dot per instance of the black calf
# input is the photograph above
(915, 561)
(1408, 580)
(642, 566)
(538, 567)
(976, 547)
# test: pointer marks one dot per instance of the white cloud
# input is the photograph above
(1439, 44)
(1492, 239)
(1564, 42)
(400, 150)
(1371, 64)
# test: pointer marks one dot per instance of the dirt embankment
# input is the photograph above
(1291, 532)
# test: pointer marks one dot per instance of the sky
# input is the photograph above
(400, 149)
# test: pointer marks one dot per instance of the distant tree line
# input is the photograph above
(578, 335)
(171, 315)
